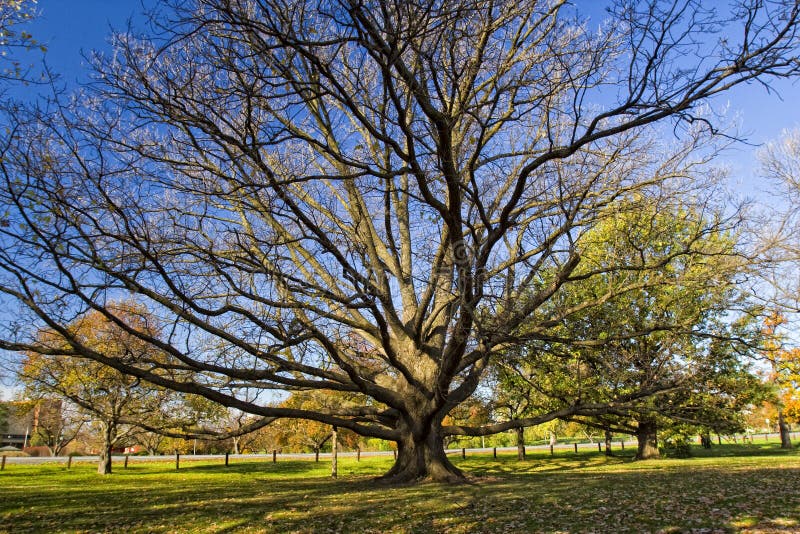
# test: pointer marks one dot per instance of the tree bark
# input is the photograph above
(647, 438)
(783, 428)
(520, 443)
(421, 456)
(334, 453)
(109, 435)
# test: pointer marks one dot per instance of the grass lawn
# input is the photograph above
(744, 488)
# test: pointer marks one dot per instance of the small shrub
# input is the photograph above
(677, 447)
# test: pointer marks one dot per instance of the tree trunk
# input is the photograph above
(236, 445)
(421, 456)
(783, 428)
(647, 437)
(334, 453)
(607, 438)
(520, 443)
(109, 435)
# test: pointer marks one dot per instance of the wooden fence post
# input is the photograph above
(177, 460)
(126, 461)
(3, 463)
(275, 456)
(394, 453)
(576, 447)
(463, 452)
(69, 461)
(551, 450)
(358, 454)
(599, 449)
(622, 444)
(494, 452)
(226, 458)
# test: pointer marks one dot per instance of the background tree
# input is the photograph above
(475, 411)
(791, 409)
(180, 417)
(784, 376)
(668, 343)
(235, 422)
(4, 412)
(306, 435)
(414, 178)
(151, 442)
(264, 439)
(517, 396)
(114, 402)
(59, 424)
(779, 232)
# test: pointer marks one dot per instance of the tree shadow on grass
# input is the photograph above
(513, 496)
(293, 467)
(541, 463)
(183, 501)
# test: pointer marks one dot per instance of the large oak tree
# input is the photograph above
(357, 196)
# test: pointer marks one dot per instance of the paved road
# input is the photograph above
(285, 456)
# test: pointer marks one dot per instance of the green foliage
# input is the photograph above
(675, 441)
(676, 448)
(661, 340)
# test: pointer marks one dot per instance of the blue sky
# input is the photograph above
(70, 27)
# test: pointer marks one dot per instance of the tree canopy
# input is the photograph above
(366, 197)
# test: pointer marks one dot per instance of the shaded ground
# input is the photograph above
(752, 491)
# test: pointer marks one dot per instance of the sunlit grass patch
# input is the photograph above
(566, 492)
